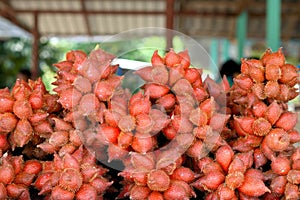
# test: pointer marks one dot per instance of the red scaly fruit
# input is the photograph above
(258, 90)
(32, 167)
(294, 136)
(243, 81)
(293, 176)
(259, 158)
(69, 98)
(261, 126)
(273, 112)
(17, 191)
(158, 180)
(178, 190)
(225, 193)
(259, 108)
(143, 142)
(156, 59)
(82, 84)
(8, 122)
(155, 195)
(243, 125)
(281, 165)
(224, 156)
(172, 58)
(272, 89)
(273, 58)
(22, 109)
(192, 75)
(60, 193)
(234, 180)
(291, 191)
(209, 181)
(184, 174)
(115, 152)
(6, 101)
(59, 138)
(3, 193)
(88, 105)
(42, 179)
(125, 139)
(139, 192)
(86, 191)
(289, 75)
(278, 185)
(253, 187)
(139, 104)
(22, 134)
(287, 121)
(100, 184)
(273, 72)
(155, 90)
(70, 180)
(126, 123)
(256, 70)
(167, 101)
(107, 134)
(277, 140)
(184, 59)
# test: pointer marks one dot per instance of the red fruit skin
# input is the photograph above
(42, 179)
(172, 59)
(278, 185)
(210, 181)
(59, 193)
(82, 84)
(22, 133)
(225, 193)
(155, 196)
(17, 191)
(125, 139)
(86, 192)
(273, 72)
(259, 108)
(291, 191)
(287, 121)
(259, 158)
(281, 165)
(243, 125)
(156, 91)
(100, 184)
(192, 75)
(178, 190)
(6, 103)
(88, 105)
(243, 81)
(108, 134)
(272, 89)
(247, 158)
(32, 167)
(3, 193)
(277, 139)
(289, 75)
(158, 180)
(184, 174)
(7, 174)
(234, 180)
(293, 176)
(24, 178)
(4, 145)
(69, 98)
(185, 59)
(139, 192)
(273, 112)
(261, 126)
(167, 101)
(156, 59)
(143, 143)
(253, 187)
(8, 122)
(224, 156)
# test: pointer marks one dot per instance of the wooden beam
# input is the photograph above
(169, 23)
(9, 13)
(35, 48)
(86, 19)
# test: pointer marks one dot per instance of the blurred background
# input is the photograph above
(34, 34)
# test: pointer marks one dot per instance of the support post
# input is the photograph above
(169, 23)
(273, 23)
(35, 49)
(241, 32)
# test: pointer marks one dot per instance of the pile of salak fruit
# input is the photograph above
(175, 137)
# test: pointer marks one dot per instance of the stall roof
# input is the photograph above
(196, 18)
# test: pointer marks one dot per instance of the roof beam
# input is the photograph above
(9, 13)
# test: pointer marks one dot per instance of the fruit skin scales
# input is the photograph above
(178, 137)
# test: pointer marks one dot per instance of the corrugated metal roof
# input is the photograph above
(107, 17)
